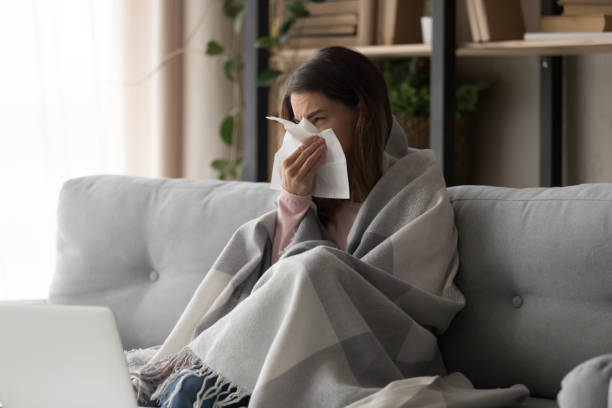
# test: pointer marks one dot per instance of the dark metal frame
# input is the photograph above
(551, 112)
(255, 128)
(442, 85)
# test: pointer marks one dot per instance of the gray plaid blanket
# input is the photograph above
(324, 327)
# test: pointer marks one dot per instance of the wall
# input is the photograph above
(174, 95)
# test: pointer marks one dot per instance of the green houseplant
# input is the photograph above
(233, 64)
(409, 87)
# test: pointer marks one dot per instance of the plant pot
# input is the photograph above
(426, 28)
(417, 134)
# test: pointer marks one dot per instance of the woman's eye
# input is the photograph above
(317, 119)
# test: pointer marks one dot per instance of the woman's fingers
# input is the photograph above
(313, 162)
(289, 160)
(307, 151)
(299, 168)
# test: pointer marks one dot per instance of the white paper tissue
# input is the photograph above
(331, 180)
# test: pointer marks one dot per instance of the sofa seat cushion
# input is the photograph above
(537, 403)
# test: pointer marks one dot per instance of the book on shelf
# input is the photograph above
(340, 22)
(590, 23)
(586, 9)
(327, 20)
(474, 22)
(399, 21)
(497, 20)
(567, 36)
(322, 41)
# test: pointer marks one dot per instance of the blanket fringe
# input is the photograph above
(152, 382)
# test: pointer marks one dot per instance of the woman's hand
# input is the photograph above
(299, 168)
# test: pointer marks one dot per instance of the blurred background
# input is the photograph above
(156, 88)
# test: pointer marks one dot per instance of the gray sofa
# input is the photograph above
(534, 266)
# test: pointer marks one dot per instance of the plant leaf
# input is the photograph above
(284, 30)
(239, 168)
(232, 170)
(219, 164)
(214, 48)
(297, 9)
(268, 76)
(238, 22)
(265, 42)
(227, 130)
(228, 67)
(230, 9)
(286, 25)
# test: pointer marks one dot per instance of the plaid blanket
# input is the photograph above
(324, 327)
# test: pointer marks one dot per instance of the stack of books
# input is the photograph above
(496, 20)
(335, 22)
(581, 16)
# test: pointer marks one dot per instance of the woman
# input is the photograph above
(343, 90)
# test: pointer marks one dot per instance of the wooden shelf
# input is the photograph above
(536, 47)
(470, 49)
(398, 50)
(374, 51)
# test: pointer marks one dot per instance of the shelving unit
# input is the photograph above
(443, 54)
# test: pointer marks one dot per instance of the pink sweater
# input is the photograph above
(291, 210)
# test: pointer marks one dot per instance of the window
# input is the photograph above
(60, 118)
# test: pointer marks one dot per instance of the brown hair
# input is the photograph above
(351, 78)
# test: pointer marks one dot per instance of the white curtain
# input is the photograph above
(60, 117)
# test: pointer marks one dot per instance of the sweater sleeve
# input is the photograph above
(291, 210)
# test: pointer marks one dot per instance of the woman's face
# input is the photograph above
(324, 113)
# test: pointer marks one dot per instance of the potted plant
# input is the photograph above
(408, 84)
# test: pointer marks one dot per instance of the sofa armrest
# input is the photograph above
(587, 384)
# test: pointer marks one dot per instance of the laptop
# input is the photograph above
(62, 356)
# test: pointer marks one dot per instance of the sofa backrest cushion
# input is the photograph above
(536, 270)
(535, 266)
(142, 246)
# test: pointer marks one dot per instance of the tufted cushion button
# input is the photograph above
(153, 276)
(517, 301)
